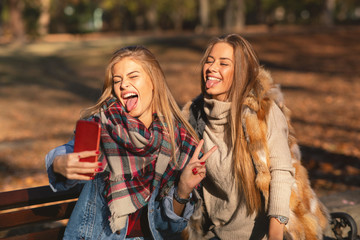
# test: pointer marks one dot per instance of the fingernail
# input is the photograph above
(98, 170)
(202, 163)
(92, 178)
(99, 164)
(194, 171)
(97, 152)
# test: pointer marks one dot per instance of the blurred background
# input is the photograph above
(21, 19)
(53, 55)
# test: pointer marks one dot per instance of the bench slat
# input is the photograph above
(40, 214)
(54, 233)
(32, 196)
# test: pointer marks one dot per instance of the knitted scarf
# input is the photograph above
(137, 159)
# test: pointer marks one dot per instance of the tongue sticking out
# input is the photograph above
(131, 103)
(211, 83)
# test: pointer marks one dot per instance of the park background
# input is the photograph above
(53, 56)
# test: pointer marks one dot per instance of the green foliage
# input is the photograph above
(73, 16)
(77, 16)
(294, 11)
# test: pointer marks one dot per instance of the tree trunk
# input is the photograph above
(178, 17)
(328, 16)
(16, 21)
(239, 16)
(151, 16)
(234, 15)
(229, 15)
(260, 18)
(204, 15)
(44, 19)
(1, 21)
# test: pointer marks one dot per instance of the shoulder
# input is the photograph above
(276, 115)
(276, 121)
(182, 135)
(193, 106)
(193, 111)
(264, 94)
(258, 97)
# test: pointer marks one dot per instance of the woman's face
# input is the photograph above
(218, 71)
(134, 88)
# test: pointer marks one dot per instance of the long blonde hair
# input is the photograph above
(246, 69)
(163, 102)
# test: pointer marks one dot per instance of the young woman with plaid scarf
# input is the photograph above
(147, 158)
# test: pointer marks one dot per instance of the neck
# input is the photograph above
(146, 120)
(147, 117)
(219, 97)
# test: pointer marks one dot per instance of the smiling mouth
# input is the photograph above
(130, 101)
(212, 81)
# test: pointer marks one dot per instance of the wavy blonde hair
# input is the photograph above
(163, 103)
(246, 69)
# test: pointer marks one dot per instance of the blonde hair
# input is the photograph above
(246, 69)
(164, 103)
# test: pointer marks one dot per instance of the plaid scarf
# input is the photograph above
(137, 159)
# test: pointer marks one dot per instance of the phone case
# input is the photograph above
(87, 138)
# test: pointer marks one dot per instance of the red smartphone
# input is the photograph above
(87, 138)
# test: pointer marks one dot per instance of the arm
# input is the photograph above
(64, 168)
(172, 216)
(58, 182)
(281, 170)
(193, 173)
(166, 221)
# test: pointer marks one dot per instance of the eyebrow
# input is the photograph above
(126, 74)
(136, 71)
(222, 58)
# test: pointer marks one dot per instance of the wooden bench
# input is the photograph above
(35, 213)
(39, 213)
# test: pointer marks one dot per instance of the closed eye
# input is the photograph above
(117, 79)
(209, 60)
(133, 76)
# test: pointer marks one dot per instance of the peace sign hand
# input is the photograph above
(194, 172)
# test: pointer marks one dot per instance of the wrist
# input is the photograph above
(182, 199)
(183, 192)
(280, 219)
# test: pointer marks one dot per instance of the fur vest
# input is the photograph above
(308, 216)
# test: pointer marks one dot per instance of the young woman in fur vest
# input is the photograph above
(255, 185)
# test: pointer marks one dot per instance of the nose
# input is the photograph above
(124, 83)
(213, 67)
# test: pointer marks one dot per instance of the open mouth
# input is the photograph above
(130, 101)
(212, 81)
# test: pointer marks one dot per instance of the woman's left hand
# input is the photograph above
(194, 172)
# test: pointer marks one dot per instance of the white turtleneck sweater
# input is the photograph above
(223, 201)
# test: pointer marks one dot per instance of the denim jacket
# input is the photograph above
(89, 219)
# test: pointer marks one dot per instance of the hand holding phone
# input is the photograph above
(87, 138)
